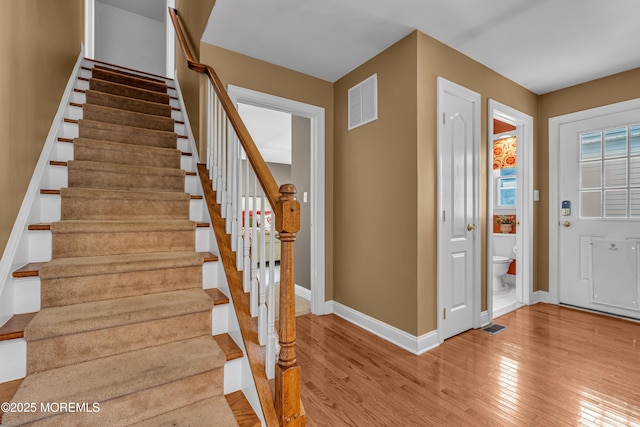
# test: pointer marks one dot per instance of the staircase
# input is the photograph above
(123, 335)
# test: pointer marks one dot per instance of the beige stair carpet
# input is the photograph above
(125, 326)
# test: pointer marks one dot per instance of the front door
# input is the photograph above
(458, 233)
(599, 218)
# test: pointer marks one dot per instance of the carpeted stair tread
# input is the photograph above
(104, 237)
(77, 318)
(154, 378)
(214, 411)
(112, 264)
(66, 335)
(89, 174)
(144, 76)
(95, 204)
(127, 118)
(131, 92)
(128, 80)
(126, 103)
(127, 154)
(103, 131)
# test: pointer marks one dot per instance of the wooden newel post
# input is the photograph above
(287, 379)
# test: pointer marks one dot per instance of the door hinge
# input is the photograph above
(444, 313)
(444, 118)
(444, 216)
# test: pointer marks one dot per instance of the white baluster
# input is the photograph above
(209, 128)
(254, 251)
(246, 274)
(213, 171)
(233, 212)
(230, 176)
(218, 181)
(223, 171)
(238, 207)
(262, 314)
(271, 353)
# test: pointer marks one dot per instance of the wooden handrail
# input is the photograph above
(289, 408)
(263, 173)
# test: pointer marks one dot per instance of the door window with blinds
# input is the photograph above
(610, 173)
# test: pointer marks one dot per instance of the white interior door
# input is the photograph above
(599, 176)
(459, 236)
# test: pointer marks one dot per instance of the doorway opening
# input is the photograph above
(307, 119)
(509, 209)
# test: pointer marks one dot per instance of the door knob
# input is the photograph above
(566, 224)
(471, 227)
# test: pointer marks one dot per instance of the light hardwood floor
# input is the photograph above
(553, 366)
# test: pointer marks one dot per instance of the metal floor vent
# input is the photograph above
(494, 328)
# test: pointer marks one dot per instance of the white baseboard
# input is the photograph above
(303, 292)
(484, 319)
(540, 296)
(404, 340)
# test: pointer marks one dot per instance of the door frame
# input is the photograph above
(445, 86)
(317, 170)
(524, 204)
(554, 208)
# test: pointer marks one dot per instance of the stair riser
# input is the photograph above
(76, 290)
(144, 404)
(129, 104)
(119, 181)
(93, 152)
(129, 81)
(113, 209)
(76, 348)
(115, 243)
(13, 354)
(126, 118)
(121, 90)
(140, 137)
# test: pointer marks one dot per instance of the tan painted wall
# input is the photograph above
(193, 16)
(39, 45)
(597, 93)
(250, 73)
(375, 192)
(436, 59)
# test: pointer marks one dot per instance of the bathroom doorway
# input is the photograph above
(510, 210)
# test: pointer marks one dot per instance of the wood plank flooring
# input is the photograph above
(552, 366)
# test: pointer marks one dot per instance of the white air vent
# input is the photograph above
(363, 102)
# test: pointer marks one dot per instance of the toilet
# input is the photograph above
(504, 252)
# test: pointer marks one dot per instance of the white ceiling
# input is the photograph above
(153, 9)
(271, 131)
(543, 45)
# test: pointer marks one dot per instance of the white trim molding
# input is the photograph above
(485, 319)
(540, 296)
(303, 293)
(411, 343)
(317, 170)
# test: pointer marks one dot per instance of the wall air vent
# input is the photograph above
(363, 102)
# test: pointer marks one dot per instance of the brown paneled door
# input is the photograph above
(599, 213)
(458, 231)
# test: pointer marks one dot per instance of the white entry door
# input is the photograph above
(458, 232)
(599, 213)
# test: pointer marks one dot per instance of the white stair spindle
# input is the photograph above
(218, 181)
(246, 273)
(270, 353)
(254, 250)
(262, 314)
(223, 171)
(233, 212)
